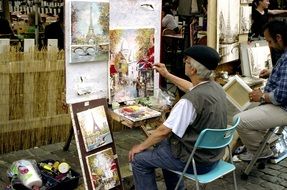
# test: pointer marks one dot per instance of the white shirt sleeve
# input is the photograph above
(181, 116)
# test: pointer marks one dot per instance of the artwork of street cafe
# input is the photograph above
(143, 94)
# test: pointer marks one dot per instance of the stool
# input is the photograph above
(262, 145)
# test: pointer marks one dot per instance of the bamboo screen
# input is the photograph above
(33, 111)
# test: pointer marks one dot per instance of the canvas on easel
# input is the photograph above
(95, 143)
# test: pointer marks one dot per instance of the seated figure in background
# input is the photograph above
(168, 20)
(56, 30)
(5, 28)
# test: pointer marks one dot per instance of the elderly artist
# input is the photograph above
(203, 106)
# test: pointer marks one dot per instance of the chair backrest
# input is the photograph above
(216, 138)
(167, 31)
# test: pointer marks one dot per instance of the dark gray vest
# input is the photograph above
(209, 101)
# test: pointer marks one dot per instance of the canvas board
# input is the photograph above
(132, 57)
(87, 73)
(237, 92)
(228, 30)
(86, 29)
(89, 31)
(103, 170)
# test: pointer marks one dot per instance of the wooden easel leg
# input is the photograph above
(68, 142)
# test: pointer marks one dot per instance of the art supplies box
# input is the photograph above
(137, 112)
(55, 180)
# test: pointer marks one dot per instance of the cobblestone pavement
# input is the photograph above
(274, 176)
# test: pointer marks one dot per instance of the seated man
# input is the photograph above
(272, 111)
(203, 106)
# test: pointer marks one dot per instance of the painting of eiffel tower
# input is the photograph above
(89, 31)
(228, 30)
(94, 128)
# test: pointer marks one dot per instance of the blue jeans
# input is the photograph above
(145, 163)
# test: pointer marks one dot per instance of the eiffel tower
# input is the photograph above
(228, 35)
(90, 37)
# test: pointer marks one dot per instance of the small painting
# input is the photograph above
(228, 30)
(94, 128)
(131, 60)
(89, 31)
(103, 170)
(245, 19)
(259, 59)
(237, 92)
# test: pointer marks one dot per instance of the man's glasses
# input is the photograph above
(185, 60)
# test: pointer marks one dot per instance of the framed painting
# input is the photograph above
(95, 145)
(254, 57)
(259, 59)
(237, 92)
(228, 30)
(94, 128)
(103, 170)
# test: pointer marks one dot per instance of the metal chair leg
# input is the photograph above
(257, 154)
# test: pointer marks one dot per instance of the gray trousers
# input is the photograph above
(256, 121)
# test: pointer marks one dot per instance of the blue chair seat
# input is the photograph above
(220, 170)
(211, 139)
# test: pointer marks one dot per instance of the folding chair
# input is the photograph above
(266, 140)
(211, 139)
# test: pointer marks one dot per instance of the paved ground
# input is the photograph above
(274, 176)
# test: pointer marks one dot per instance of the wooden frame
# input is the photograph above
(84, 153)
(237, 92)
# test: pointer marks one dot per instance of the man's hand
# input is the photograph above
(264, 73)
(255, 95)
(135, 149)
(160, 67)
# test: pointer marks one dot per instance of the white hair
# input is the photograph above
(202, 71)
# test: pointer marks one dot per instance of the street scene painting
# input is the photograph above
(131, 60)
(103, 170)
(89, 31)
(94, 128)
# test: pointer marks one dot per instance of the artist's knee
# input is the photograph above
(137, 160)
(242, 124)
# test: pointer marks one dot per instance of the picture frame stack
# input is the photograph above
(95, 144)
